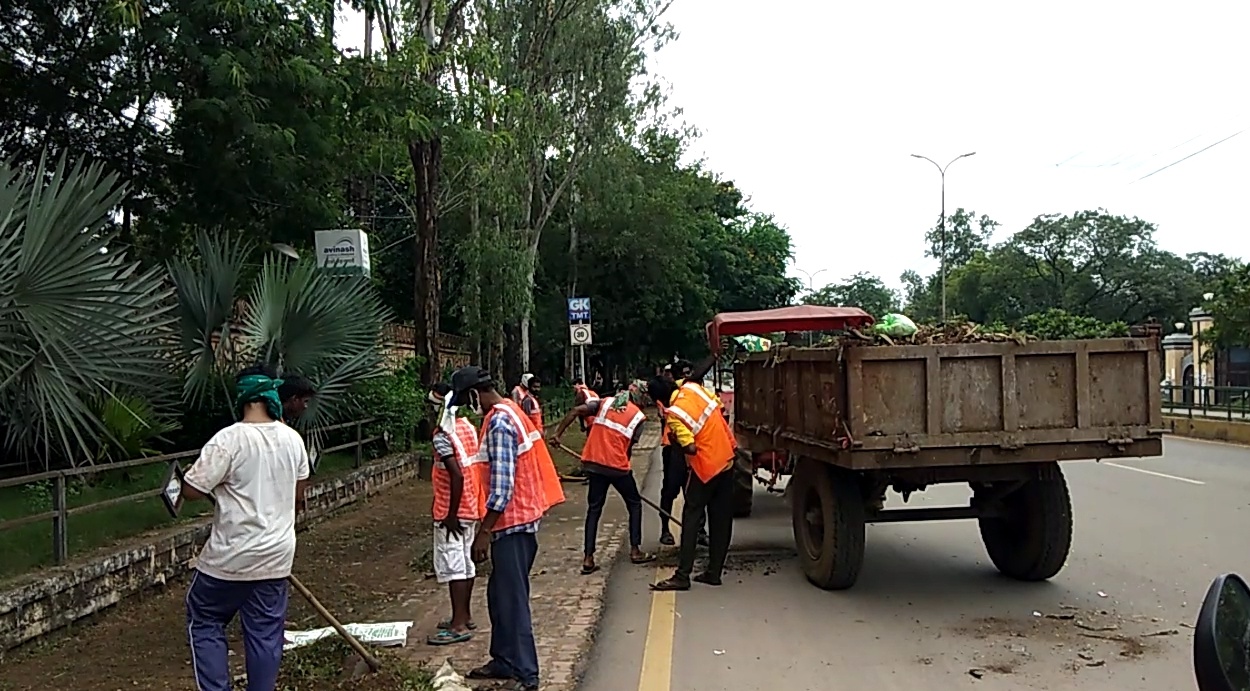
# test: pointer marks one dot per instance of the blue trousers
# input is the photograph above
(211, 605)
(512, 648)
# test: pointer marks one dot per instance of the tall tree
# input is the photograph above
(862, 290)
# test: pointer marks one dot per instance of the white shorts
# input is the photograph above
(453, 560)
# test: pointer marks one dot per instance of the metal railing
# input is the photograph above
(1220, 402)
(61, 511)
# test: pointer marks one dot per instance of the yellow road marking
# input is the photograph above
(657, 653)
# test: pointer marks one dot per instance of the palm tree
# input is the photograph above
(290, 314)
(82, 329)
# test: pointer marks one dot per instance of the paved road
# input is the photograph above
(930, 613)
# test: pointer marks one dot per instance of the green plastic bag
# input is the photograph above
(895, 326)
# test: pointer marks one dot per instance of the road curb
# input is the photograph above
(570, 662)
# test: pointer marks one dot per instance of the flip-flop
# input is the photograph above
(644, 559)
(445, 637)
(587, 570)
(446, 624)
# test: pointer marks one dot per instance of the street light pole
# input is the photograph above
(942, 252)
(811, 278)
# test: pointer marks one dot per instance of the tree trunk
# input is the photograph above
(426, 158)
(473, 286)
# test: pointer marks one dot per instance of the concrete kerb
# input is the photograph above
(593, 602)
(35, 606)
(1210, 429)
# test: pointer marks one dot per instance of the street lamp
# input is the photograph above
(942, 258)
(811, 278)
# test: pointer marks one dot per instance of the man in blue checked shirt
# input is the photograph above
(523, 486)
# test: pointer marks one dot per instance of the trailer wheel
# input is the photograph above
(744, 484)
(827, 508)
(1031, 539)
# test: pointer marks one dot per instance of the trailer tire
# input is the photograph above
(744, 484)
(1030, 541)
(827, 510)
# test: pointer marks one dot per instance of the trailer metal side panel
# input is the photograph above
(1080, 397)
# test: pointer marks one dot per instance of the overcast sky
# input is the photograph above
(812, 109)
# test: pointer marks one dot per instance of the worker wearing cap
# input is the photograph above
(701, 431)
(526, 395)
(459, 482)
(615, 427)
(675, 469)
(523, 485)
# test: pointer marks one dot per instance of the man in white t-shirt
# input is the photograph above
(255, 471)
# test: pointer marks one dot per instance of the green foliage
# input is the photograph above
(78, 321)
(1090, 263)
(862, 290)
(328, 664)
(325, 326)
(1230, 308)
(133, 425)
(1057, 325)
(396, 399)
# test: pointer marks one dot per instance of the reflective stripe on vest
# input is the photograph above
(708, 408)
(536, 484)
(464, 443)
(611, 433)
(714, 441)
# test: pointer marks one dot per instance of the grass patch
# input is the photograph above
(331, 664)
(29, 547)
(575, 440)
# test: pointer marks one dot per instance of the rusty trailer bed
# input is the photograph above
(914, 406)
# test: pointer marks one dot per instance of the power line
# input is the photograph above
(1188, 157)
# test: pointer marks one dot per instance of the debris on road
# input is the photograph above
(386, 635)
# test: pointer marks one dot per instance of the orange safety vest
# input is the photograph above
(611, 432)
(536, 484)
(473, 504)
(588, 394)
(519, 394)
(713, 440)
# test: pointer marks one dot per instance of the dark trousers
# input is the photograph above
(715, 498)
(676, 473)
(211, 604)
(512, 648)
(597, 496)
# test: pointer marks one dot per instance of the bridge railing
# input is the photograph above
(1227, 402)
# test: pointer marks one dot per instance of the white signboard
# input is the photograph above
(345, 249)
(581, 334)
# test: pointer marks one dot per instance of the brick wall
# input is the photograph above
(65, 595)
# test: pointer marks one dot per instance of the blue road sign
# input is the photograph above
(579, 310)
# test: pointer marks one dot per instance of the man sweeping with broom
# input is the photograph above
(615, 426)
(255, 471)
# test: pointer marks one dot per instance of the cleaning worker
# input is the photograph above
(523, 486)
(675, 469)
(459, 482)
(615, 427)
(255, 470)
(526, 395)
(702, 433)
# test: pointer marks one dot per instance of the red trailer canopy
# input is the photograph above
(800, 318)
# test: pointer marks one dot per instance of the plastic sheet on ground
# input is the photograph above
(447, 679)
(387, 635)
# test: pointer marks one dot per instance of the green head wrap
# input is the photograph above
(619, 401)
(258, 388)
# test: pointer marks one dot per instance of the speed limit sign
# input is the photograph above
(580, 334)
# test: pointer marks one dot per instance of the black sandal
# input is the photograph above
(670, 585)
